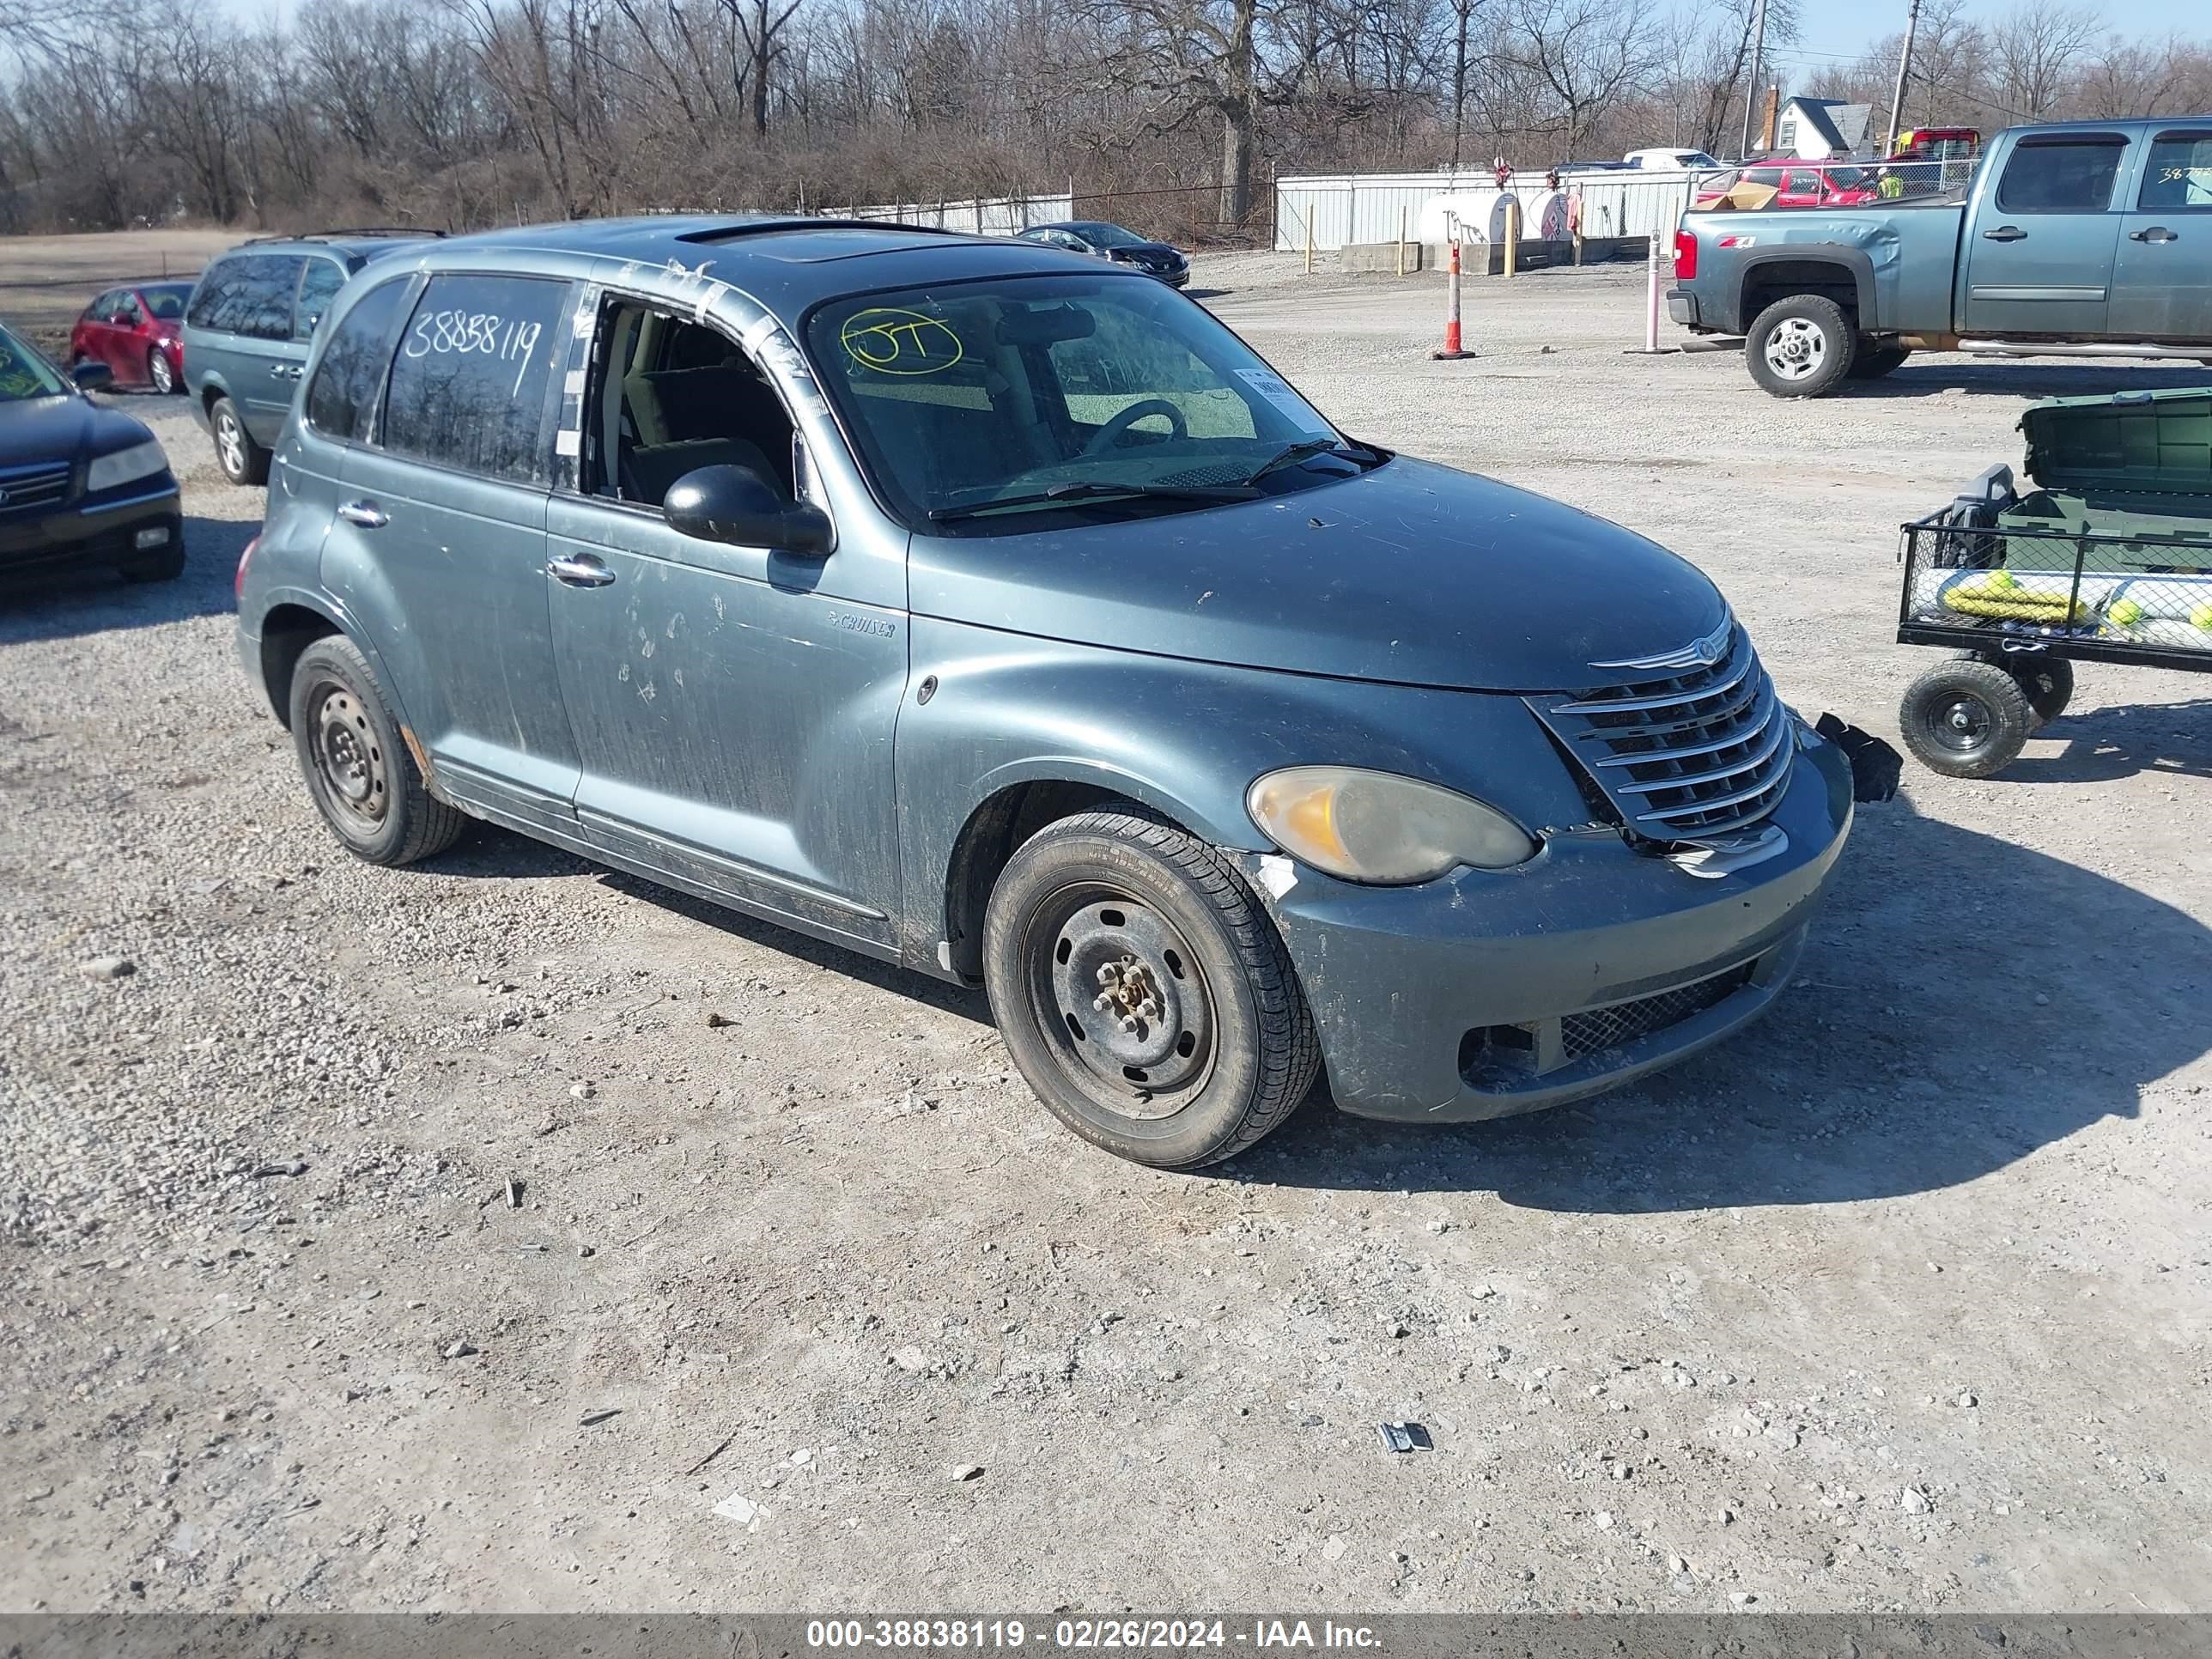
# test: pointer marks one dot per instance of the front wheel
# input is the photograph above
(1800, 346)
(1143, 993)
(242, 460)
(1965, 719)
(159, 374)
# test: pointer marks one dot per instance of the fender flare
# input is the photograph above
(1853, 261)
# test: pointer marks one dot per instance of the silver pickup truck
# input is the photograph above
(2090, 239)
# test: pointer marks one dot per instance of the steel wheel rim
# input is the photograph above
(158, 372)
(347, 756)
(1119, 995)
(1963, 724)
(230, 443)
(1796, 347)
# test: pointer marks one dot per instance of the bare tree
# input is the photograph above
(2034, 48)
(762, 27)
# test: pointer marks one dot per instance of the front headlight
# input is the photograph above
(125, 466)
(1379, 828)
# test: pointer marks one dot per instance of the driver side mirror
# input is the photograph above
(734, 504)
(91, 377)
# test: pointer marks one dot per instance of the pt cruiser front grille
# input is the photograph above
(1688, 749)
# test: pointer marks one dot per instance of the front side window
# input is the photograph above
(317, 286)
(2068, 175)
(975, 393)
(468, 387)
(673, 395)
(342, 398)
(2178, 179)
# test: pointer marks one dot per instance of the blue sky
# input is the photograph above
(1836, 34)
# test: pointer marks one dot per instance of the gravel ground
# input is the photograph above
(1899, 1302)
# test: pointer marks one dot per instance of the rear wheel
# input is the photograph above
(1800, 346)
(242, 460)
(159, 374)
(359, 769)
(2046, 682)
(1143, 992)
(1967, 719)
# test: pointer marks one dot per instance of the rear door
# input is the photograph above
(2040, 247)
(441, 531)
(2162, 277)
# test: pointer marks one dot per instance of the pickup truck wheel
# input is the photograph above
(1872, 363)
(1143, 993)
(1965, 719)
(1800, 346)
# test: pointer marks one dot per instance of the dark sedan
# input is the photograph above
(1114, 242)
(80, 485)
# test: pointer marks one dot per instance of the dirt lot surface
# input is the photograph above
(1900, 1301)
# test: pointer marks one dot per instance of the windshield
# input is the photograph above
(24, 373)
(1109, 236)
(168, 302)
(974, 393)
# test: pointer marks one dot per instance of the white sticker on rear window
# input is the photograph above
(1277, 390)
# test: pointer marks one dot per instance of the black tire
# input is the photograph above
(1801, 347)
(163, 566)
(360, 772)
(1872, 363)
(1227, 1049)
(243, 461)
(160, 375)
(1967, 719)
(2047, 683)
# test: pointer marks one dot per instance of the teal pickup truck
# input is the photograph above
(2089, 238)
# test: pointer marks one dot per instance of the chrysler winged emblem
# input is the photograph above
(1698, 654)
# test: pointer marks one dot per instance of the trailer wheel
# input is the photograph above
(1965, 719)
(2047, 682)
(1800, 346)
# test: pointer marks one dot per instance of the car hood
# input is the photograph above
(1411, 572)
(61, 427)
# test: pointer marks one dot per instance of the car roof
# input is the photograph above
(355, 245)
(788, 262)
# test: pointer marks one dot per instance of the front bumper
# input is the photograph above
(1491, 993)
(112, 532)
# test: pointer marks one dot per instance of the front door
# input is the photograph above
(2040, 245)
(440, 529)
(733, 706)
(2162, 279)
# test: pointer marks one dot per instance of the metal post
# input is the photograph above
(1512, 232)
(1751, 76)
(1310, 208)
(1453, 349)
(1651, 295)
(1402, 241)
(1903, 64)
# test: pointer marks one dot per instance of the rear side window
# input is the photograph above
(248, 294)
(320, 284)
(2062, 175)
(2180, 176)
(469, 384)
(342, 398)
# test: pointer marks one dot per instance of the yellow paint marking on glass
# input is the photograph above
(893, 341)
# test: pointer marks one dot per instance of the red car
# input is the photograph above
(1804, 185)
(138, 332)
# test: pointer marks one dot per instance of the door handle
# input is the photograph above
(2154, 233)
(579, 570)
(368, 514)
(285, 371)
(2005, 233)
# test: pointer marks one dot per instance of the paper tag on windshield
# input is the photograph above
(1277, 390)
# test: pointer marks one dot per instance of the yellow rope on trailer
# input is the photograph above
(2017, 606)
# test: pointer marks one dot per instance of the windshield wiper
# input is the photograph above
(1289, 455)
(1091, 490)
